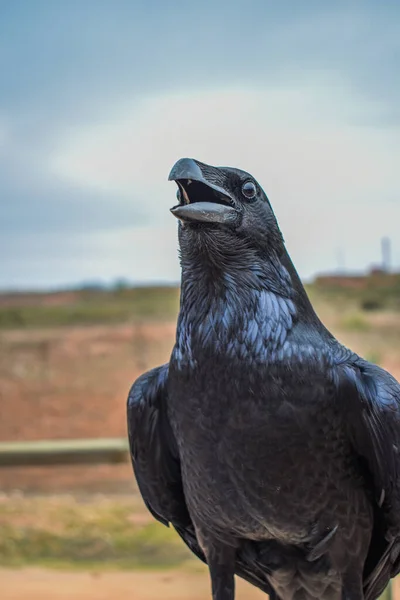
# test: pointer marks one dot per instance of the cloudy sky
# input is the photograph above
(99, 98)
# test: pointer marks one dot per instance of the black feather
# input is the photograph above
(272, 449)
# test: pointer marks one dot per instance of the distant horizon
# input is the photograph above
(131, 283)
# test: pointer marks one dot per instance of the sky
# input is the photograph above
(98, 99)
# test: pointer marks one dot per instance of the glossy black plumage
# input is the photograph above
(271, 448)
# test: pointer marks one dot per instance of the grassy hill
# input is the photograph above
(85, 307)
(130, 305)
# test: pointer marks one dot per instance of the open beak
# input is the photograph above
(200, 199)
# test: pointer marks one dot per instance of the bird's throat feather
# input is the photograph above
(243, 322)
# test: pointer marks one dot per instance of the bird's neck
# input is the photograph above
(241, 310)
(205, 283)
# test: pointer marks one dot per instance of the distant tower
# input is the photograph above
(386, 254)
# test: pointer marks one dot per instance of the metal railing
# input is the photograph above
(64, 452)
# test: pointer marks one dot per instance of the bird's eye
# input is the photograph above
(179, 195)
(249, 190)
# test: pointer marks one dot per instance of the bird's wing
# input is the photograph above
(370, 399)
(156, 465)
(154, 453)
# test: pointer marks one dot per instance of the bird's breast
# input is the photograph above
(260, 455)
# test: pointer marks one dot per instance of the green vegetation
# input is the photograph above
(62, 532)
(88, 307)
(374, 357)
(371, 293)
(122, 304)
(355, 322)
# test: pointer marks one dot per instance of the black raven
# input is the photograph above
(272, 449)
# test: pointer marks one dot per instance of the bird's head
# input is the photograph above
(223, 208)
(229, 235)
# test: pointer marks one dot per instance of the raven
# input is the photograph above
(272, 449)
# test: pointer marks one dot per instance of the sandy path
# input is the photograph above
(42, 584)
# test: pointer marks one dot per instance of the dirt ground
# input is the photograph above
(40, 584)
(73, 382)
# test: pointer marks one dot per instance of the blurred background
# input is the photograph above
(98, 99)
